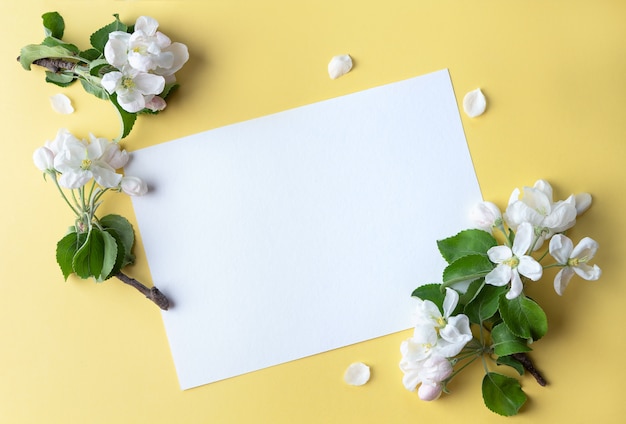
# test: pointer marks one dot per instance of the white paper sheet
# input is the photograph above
(303, 231)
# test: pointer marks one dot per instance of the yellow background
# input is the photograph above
(554, 73)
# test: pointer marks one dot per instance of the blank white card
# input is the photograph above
(306, 230)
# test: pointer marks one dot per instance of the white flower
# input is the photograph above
(513, 261)
(146, 50)
(574, 260)
(133, 186)
(538, 208)
(133, 88)
(453, 331)
(486, 215)
(80, 161)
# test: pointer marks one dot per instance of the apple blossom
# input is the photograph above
(146, 50)
(133, 88)
(538, 208)
(513, 261)
(574, 260)
(79, 162)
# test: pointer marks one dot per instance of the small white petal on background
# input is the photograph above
(474, 103)
(339, 65)
(357, 374)
(61, 104)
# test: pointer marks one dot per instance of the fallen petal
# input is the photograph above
(339, 65)
(61, 104)
(357, 374)
(474, 103)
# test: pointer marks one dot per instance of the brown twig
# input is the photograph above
(530, 367)
(54, 64)
(151, 293)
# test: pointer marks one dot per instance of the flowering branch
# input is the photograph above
(95, 247)
(133, 67)
(483, 286)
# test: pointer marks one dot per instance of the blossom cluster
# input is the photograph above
(146, 60)
(536, 218)
(480, 309)
(76, 162)
(436, 339)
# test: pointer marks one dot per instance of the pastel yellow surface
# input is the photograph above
(554, 73)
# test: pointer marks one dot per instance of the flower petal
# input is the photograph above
(61, 104)
(561, 280)
(561, 248)
(586, 248)
(583, 202)
(474, 103)
(146, 24)
(523, 239)
(516, 286)
(149, 83)
(499, 276)
(450, 302)
(587, 272)
(530, 268)
(339, 65)
(499, 254)
(357, 374)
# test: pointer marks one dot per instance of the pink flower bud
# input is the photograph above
(485, 215)
(429, 392)
(133, 186)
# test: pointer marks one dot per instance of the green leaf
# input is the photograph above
(124, 230)
(505, 342)
(97, 256)
(95, 89)
(472, 291)
(90, 54)
(467, 268)
(110, 256)
(169, 89)
(60, 79)
(524, 317)
(54, 42)
(99, 38)
(97, 65)
(511, 362)
(66, 249)
(120, 260)
(33, 52)
(485, 304)
(468, 242)
(53, 24)
(431, 292)
(502, 395)
(127, 119)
